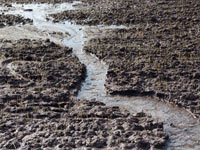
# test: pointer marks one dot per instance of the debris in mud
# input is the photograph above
(59, 35)
(8, 20)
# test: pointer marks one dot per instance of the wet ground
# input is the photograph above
(158, 55)
(39, 79)
(69, 123)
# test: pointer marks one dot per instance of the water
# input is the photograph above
(183, 130)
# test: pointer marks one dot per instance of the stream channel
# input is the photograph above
(182, 128)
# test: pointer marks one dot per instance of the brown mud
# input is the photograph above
(9, 20)
(72, 124)
(38, 82)
(157, 55)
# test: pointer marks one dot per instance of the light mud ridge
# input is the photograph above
(56, 79)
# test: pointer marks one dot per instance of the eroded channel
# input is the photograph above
(182, 128)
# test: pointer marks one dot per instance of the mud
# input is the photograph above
(72, 124)
(109, 12)
(8, 2)
(29, 68)
(10, 20)
(141, 64)
(38, 82)
(158, 55)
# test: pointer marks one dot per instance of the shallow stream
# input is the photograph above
(183, 129)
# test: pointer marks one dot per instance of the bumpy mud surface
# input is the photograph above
(38, 70)
(129, 12)
(38, 80)
(71, 124)
(33, 1)
(141, 64)
(8, 20)
(158, 56)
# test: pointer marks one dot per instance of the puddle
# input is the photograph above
(183, 130)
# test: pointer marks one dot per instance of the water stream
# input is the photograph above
(183, 129)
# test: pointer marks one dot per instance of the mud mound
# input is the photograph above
(38, 70)
(131, 12)
(73, 124)
(151, 62)
(9, 20)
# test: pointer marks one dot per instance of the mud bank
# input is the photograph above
(72, 124)
(39, 79)
(138, 65)
(29, 68)
(126, 12)
(157, 56)
(9, 20)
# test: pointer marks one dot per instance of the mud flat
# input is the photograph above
(72, 124)
(163, 29)
(8, 20)
(39, 80)
(158, 55)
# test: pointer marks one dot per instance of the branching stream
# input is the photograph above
(182, 128)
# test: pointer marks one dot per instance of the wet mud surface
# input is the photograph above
(157, 55)
(9, 20)
(73, 124)
(148, 69)
(38, 79)
(132, 12)
(38, 82)
(38, 70)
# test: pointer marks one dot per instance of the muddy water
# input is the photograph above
(183, 130)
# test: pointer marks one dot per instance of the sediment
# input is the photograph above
(73, 124)
(156, 55)
(38, 69)
(10, 20)
(39, 80)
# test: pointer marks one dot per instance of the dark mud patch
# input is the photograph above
(9, 20)
(35, 70)
(126, 12)
(73, 124)
(158, 55)
(38, 80)
(151, 61)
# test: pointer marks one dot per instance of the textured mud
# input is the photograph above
(130, 12)
(151, 68)
(71, 124)
(158, 55)
(38, 82)
(9, 20)
(38, 70)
